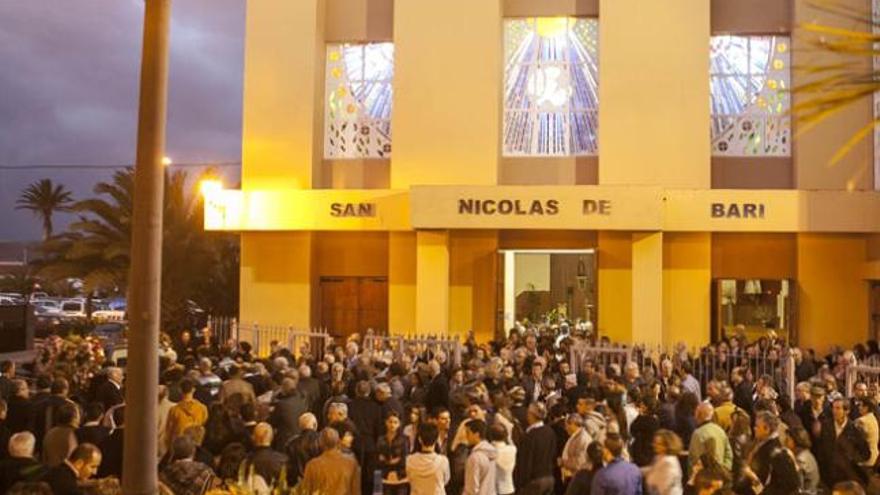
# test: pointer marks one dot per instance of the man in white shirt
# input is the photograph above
(574, 454)
(427, 471)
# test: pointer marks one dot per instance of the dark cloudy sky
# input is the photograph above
(69, 74)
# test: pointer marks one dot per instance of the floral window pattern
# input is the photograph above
(357, 115)
(750, 83)
(551, 86)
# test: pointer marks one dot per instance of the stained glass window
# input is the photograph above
(551, 86)
(750, 83)
(357, 115)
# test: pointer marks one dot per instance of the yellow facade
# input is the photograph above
(428, 226)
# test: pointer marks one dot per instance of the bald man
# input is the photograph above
(709, 438)
(266, 461)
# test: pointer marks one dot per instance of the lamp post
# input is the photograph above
(139, 475)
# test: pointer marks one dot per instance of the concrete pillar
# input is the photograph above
(432, 282)
(833, 295)
(687, 279)
(647, 288)
(277, 278)
(401, 282)
(615, 285)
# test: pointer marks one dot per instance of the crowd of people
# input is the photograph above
(509, 416)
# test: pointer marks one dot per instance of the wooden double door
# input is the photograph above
(354, 304)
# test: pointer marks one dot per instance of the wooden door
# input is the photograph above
(373, 305)
(354, 304)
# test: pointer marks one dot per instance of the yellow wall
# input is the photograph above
(744, 256)
(277, 275)
(352, 254)
(687, 278)
(473, 263)
(432, 282)
(654, 123)
(832, 296)
(401, 282)
(447, 92)
(282, 142)
(814, 148)
(615, 285)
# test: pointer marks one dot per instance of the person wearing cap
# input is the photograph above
(535, 456)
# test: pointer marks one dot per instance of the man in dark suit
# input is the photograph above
(266, 462)
(291, 404)
(367, 417)
(438, 388)
(81, 465)
(21, 464)
(841, 447)
(771, 465)
(20, 409)
(535, 457)
(92, 431)
(110, 392)
(7, 375)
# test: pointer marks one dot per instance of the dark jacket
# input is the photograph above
(62, 480)
(743, 396)
(300, 450)
(642, 431)
(840, 455)
(536, 456)
(775, 468)
(93, 434)
(438, 393)
(111, 450)
(15, 469)
(267, 463)
(367, 417)
(20, 414)
(285, 417)
(109, 395)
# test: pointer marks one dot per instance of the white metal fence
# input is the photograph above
(867, 374)
(706, 363)
(419, 344)
(316, 341)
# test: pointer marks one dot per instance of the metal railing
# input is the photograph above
(418, 344)
(706, 363)
(867, 374)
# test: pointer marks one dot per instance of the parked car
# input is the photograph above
(51, 305)
(9, 301)
(108, 315)
(39, 296)
(74, 308)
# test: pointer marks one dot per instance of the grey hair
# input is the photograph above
(22, 444)
(339, 406)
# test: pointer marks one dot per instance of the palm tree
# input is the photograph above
(44, 198)
(848, 79)
(96, 247)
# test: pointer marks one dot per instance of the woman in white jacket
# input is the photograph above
(663, 476)
(506, 460)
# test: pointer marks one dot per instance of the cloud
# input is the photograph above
(69, 90)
